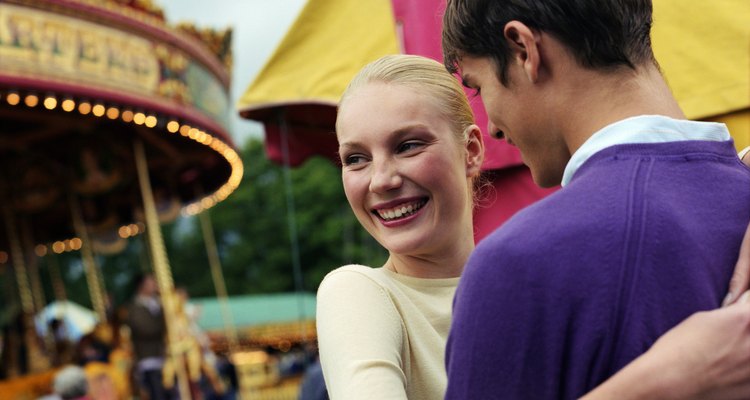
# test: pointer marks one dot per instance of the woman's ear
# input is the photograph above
(474, 151)
(524, 47)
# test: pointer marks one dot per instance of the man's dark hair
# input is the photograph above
(600, 34)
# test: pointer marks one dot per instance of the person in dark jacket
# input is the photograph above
(148, 333)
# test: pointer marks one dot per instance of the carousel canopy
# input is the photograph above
(80, 82)
(300, 85)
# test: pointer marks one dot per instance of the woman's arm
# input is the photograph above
(741, 277)
(360, 336)
(707, 356)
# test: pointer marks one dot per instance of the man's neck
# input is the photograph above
(609, 97)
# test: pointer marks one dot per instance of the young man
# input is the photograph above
(645, 230)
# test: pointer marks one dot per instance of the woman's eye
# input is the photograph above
(353, 159)
(406, 146)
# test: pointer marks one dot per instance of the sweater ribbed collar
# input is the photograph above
(643, 129)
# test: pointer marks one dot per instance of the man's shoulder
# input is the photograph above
(557, 230)
(560, 214)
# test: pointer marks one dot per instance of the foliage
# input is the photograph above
(252, 230)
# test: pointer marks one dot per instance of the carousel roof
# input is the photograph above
(81, 81)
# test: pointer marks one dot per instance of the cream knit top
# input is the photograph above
(382, 335)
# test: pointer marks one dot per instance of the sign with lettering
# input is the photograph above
(35, 42)
(43, 45)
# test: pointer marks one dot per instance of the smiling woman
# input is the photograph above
(407, 174)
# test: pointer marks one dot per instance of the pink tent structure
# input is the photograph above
(420, 23)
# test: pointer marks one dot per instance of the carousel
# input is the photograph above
(111, 122)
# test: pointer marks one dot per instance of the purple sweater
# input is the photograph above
(576, 286)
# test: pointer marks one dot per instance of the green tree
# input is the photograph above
(252, 230)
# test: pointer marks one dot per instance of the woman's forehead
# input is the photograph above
(375, 97)
(390, 108)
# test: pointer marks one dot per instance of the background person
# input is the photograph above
(70, 383)
(148, 335)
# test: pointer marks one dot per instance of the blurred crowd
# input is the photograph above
(126, 356)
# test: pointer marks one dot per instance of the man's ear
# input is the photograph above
(524, 47)
(474, 151)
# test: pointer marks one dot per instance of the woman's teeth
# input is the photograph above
(400, 211)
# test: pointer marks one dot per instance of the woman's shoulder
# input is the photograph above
(354, 280)
(354, 273)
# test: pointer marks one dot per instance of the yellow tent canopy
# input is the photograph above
(703, 48)
(300, 85)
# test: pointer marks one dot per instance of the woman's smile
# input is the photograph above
(390, 213)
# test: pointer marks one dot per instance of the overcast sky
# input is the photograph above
(258, 27)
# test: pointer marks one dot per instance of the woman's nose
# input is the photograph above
(385, 177)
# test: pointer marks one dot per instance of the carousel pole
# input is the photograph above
(36, 285)
(162, 271)
(87, 256)
(102, 286)
(58, 285)
(19, 266)
(219, 283)
(146, 255)
(12, 301)
(33, 269)
(10, 292)
(37, 362)
(292, 222)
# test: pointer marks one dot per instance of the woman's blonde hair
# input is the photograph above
(424, 75)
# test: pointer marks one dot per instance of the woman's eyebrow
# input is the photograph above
(395, 135)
